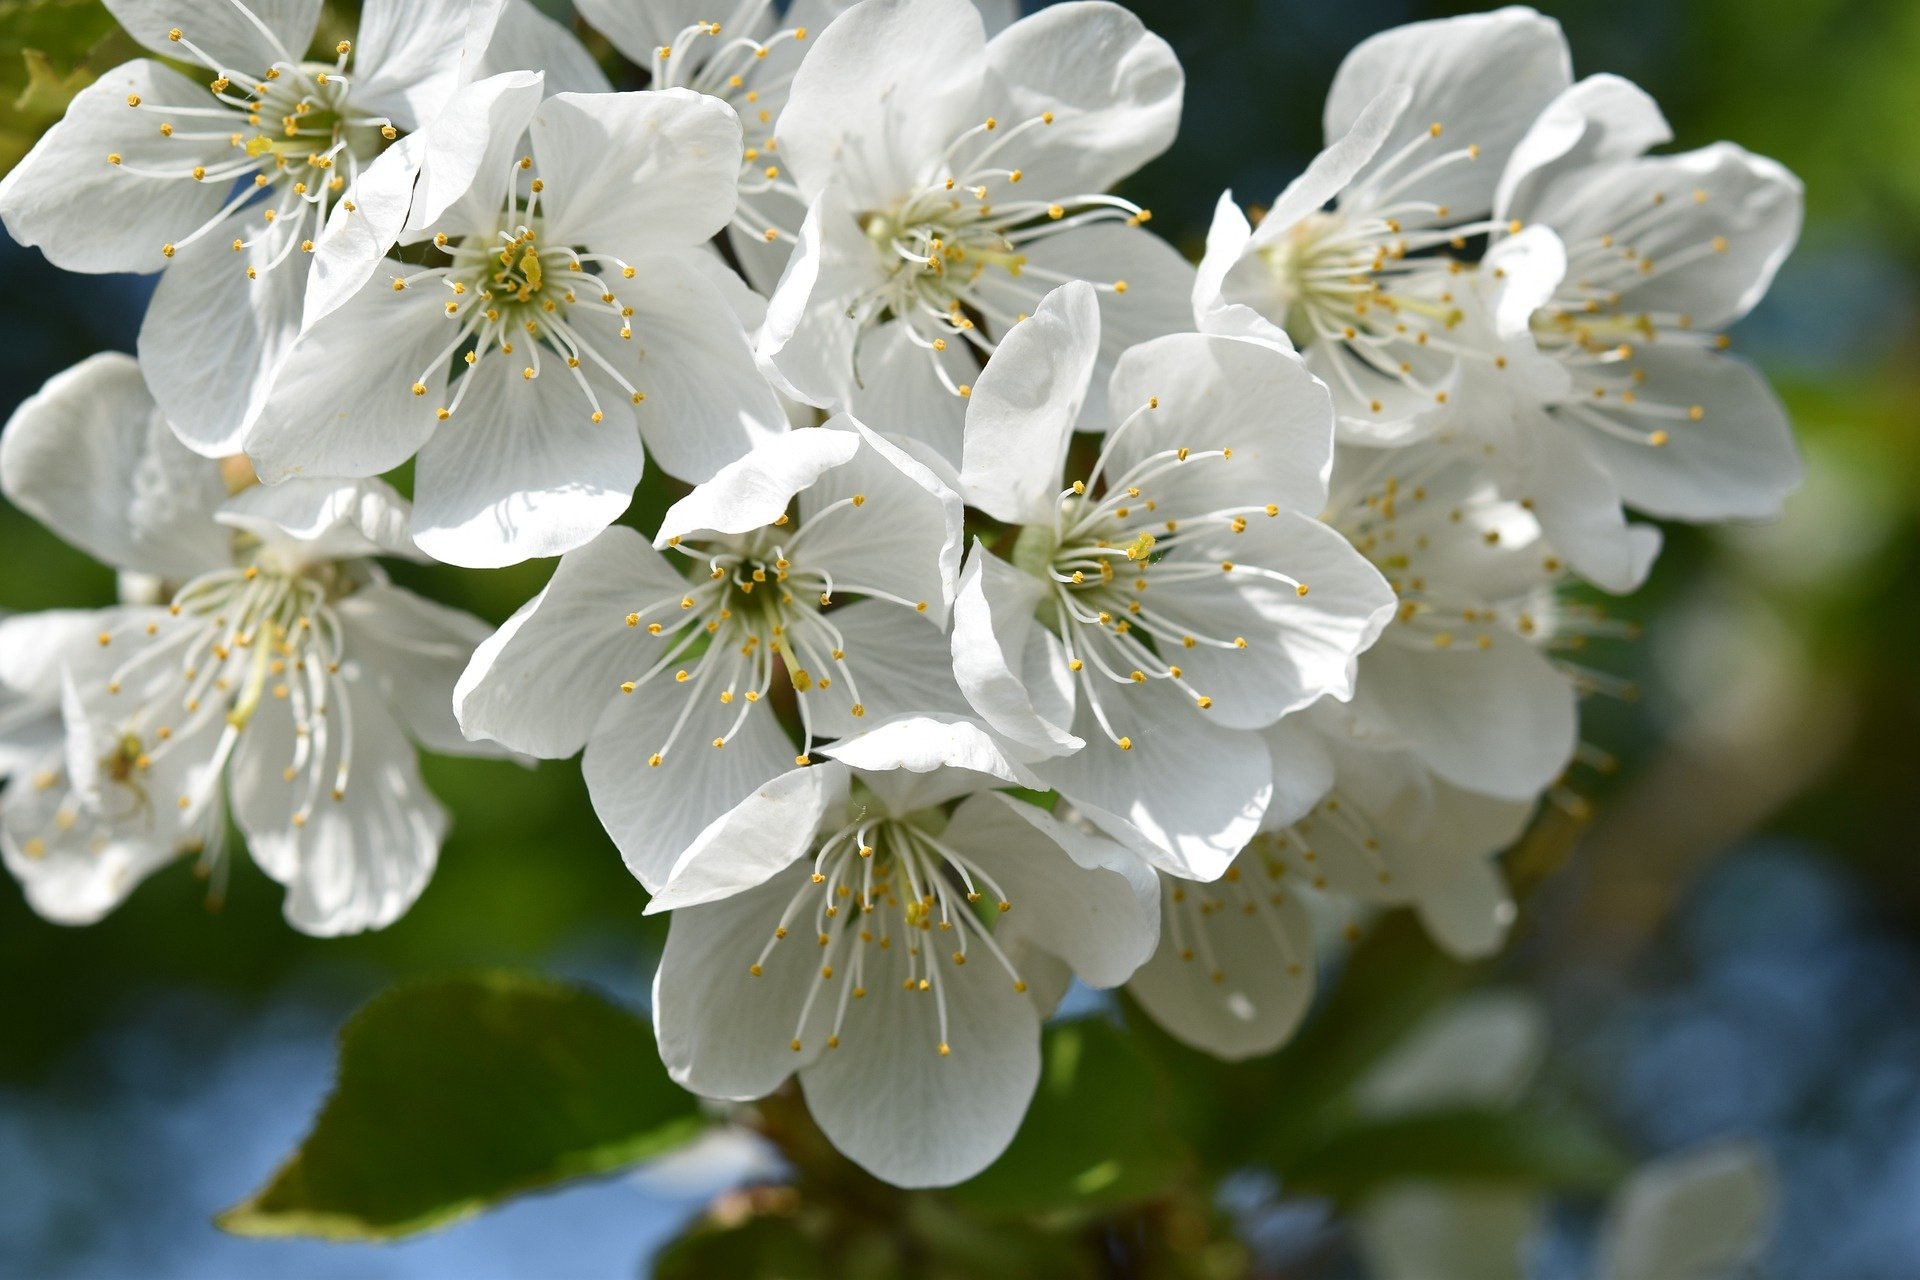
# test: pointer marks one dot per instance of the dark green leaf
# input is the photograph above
(1096, 1135)
(1550, 1151)
(453, 1095)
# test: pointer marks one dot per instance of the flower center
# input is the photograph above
(953, 251)
(299, 153)
(513, 295)
(1111, 541)
(756, 610)
(888, 901)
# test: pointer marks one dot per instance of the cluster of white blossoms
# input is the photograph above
(1034, 607)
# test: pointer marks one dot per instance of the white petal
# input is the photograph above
(995, 646)
(1578, 505)
(896, 664)
(34, 649)
(1500, 720)
(359, 862)
(1298, 648)
(526, 39)
(896, 389)
(342, 402)
(87, 214)
(1025, 405)
(1228, 236)
(246, 39)
(1302, 770)
(1602, 118)
(309, 521)
(540, 682)
(1113, 86)
(932, 742)
(723, 1032)
(640, 30)
(1695, 1216)
(1718, 195)
(1482, 77)
(522, 470)
(1224, 393)
(808, 342)
(76, 869)
(213, 336)
(895, 1105)
(755, 840)
(706, 402)
(1738, 462)
(90, 457)
(674, 189)
(1483, 1049)
(754, 491)
(1078, 896)
(1529, 267)
(407, 55)
(1189, 793)
(1336, 165)
(1157, 301)
(1420, 1230)
(360, 231)
(466, 149)
(414, 650)
(882, 92)
(654, 812)
(1232, 982)
(903, 535)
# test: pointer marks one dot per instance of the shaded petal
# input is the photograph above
(1224, 393)
(310, 521)
(1189, 793)
(541, 681)
(89, 456)
(360, 231)
(1076, 895)
(1693, 1216)
(1231, 981)
(358, 862)
(757, 489)
(213, 336)
(755, 840)
(87, 214)
(523, 470)
(882, 92)
(654, 812)
(342, 401)
(407, 55)
(466, 150)
(1007, 671)
(1114, 88)
(526, 39)
(245, 39)
(897, 664)
(902, 535)
(723, 1032)
(674, 189)
(905, 1112)
(1482, 77)
(1601, 119)
(413, 650)
(1025, 405)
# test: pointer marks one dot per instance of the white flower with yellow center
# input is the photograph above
(803, 591)
(568, 310)
(286, 675)
(1639, 403)
(234, 184)
(894, 951)
(1354, 258)
(951, 181)
(1170, 597)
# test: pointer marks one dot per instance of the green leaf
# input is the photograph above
(1095, 1136)
(49, 51)
(453, 1095)
(1556, 1151)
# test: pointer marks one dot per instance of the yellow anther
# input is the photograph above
(1125, 744)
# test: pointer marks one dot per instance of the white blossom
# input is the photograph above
(1160, 606)
(951, 180)
(286, 676)
(570, 291)
(895, 952)
(673, 682)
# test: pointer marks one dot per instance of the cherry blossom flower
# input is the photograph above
(951, 180)
(571, 293)
(1165, 603)
(894, 951)
(286, 675)
(677, 684)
